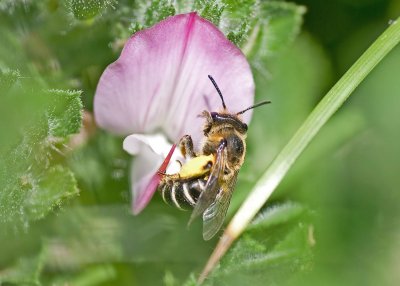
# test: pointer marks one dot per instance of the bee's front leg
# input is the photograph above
(186, 147)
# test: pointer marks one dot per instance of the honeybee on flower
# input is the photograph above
(154, 92)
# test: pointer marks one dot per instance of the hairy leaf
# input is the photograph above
(51, 188)
(25, 271)
(210, 10)
(92, 275)
(276, 26)
(87, 9)
(31, 183)
(8, 78)
(157, 11)
(87, 235)
(274, 249)
(65, 115)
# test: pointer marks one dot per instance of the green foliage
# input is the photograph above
(277, 25)
(87, 9)
(66, 115)
(210, 10)
(261, 28)
(51, 49)
(39, 172)
(100, 166)
(32, 184)
(237, 36)
(26, 271)
(48, 191)
(289, 82)
(278, 244)
(276, 215)
(9, 6)
(94, 275)
(8, 78)
(157, 11)
(109, 233)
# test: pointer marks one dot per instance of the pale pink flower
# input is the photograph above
(154, 92)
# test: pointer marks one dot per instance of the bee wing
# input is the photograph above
(213, 185)
(214, 215)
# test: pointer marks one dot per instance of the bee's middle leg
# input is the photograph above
(186, 147)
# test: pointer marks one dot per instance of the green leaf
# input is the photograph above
(65, 115)
(25, 271)
(31, 183)
(210, 10)
(111, 234)
(238, 34)
(100, 166)
(93, 275)
(275, 27)
(319, 116)
(240, 9)
(146, 14)
(307, 131)
(276, 247)
(238, 18)
(191, 281)
(10, 5)
(30, 194)
(87, 9)
(157, 11)
(8, 78)
(169, 279)
(260, 28)
(49, 191)
(276, 215)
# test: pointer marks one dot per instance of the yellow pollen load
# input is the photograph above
(196, 167)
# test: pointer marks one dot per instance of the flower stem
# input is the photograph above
(318, 117)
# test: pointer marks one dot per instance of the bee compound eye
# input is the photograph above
(214, 115)
(235, 146)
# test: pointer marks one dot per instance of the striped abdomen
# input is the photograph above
(182, 194)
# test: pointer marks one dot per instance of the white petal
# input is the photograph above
(134, 144)
(158, 145)
(143, 169)
(151, 151)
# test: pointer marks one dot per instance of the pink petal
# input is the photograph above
(160, 80)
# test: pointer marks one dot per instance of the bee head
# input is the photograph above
(226, 119)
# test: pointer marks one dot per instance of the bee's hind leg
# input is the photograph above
(186, 147)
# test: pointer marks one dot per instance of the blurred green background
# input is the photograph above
(64, 198)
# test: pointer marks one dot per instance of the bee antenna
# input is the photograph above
(254, 106)
(218, 90)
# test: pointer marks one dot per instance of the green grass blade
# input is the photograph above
(318, 117)
(289, 154)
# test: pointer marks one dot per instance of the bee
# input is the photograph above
(207, 179)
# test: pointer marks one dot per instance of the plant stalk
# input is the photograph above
(300, 140)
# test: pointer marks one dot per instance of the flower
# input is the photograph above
(158, 86)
